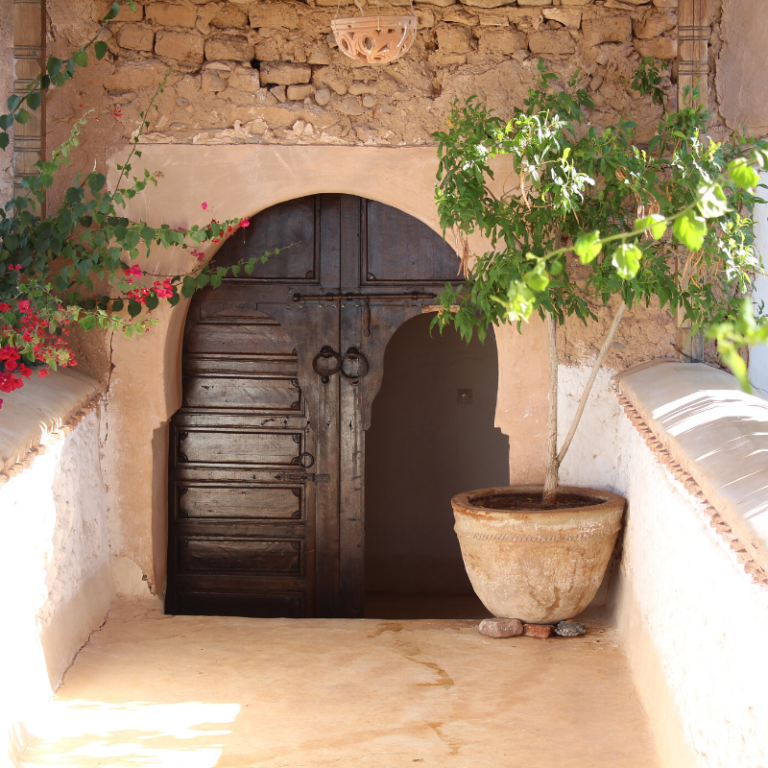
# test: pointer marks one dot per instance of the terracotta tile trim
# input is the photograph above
(756, 573)
(50, 438)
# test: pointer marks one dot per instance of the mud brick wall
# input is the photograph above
(271, 72)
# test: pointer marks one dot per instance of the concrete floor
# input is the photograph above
(189, 692)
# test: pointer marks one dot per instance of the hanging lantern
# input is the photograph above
(375, 39)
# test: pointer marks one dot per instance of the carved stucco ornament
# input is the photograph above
(375, 39)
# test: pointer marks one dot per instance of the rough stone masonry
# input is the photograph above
(271, 72)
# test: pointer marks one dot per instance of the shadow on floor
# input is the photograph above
(406, 605)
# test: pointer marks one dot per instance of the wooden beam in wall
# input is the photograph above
(692, 54)
(29, 60)
(692, 86)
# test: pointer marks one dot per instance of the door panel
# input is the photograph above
(291, 224)
(400, 249)
(240, 502)
(267, 455)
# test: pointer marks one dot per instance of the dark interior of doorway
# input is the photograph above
(431, 437)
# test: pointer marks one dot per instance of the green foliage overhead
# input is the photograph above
(668, 218)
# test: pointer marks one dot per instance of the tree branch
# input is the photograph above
(588, 388)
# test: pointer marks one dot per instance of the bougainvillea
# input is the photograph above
(49, 263)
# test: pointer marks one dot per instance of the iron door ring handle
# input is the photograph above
(354, 354)
(326, 353)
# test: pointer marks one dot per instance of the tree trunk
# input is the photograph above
(588, 388)
(553, 465)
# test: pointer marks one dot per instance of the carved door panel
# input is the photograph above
(280, 370)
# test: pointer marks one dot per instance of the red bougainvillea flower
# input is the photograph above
(116, 112)
(133, 271)
(43, 373)
(245, 223)
(204, 206)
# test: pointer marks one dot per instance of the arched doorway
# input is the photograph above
(432, 436)
(251, 430)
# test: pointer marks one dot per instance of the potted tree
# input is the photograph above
(666, 219)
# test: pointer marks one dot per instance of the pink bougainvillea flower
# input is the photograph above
(245, 223)
(204, 206)
(4, 307)
(24, 306)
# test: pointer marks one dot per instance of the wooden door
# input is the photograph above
(280, 370)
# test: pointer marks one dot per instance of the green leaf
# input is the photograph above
(6, 121)
(134, 308)
(690, 230)
(117, 305)
(713, 202)
(80, 58)
(100, 49)
(656, 223)
(735, 362)
(152, 301)
(34, 100)
(742, 174)
(114, 9)
(88, 322)
(22, 116)
(53, 66)
(4, 140)
(96, 182)
(537, 279)
(13, 101)
(588, 246)
(626, 258)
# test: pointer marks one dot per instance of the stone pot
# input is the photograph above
(537, 565)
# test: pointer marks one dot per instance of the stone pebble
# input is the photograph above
(539, 631)
(570, 629)
(501, 627)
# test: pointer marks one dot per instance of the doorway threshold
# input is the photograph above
(423, 605)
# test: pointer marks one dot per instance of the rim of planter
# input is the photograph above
(605, 500)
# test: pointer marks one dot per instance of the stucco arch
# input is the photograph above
(240, 181)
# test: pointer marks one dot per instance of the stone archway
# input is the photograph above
(145, 387)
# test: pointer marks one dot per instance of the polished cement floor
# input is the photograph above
(191, 692)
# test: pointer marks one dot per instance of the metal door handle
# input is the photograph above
(322, 368)
(354, 356)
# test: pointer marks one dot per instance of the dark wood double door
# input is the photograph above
(280, 368)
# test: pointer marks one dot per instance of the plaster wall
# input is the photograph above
(692, 621)
(741, 73)
(54, 568)
(423, 447)
(758, 356)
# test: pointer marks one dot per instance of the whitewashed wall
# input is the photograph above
(758, 356)
(694, 623)
(55, 582)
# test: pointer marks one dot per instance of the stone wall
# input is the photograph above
(271, 72)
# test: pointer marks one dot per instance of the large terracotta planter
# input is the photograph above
(537, 565)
